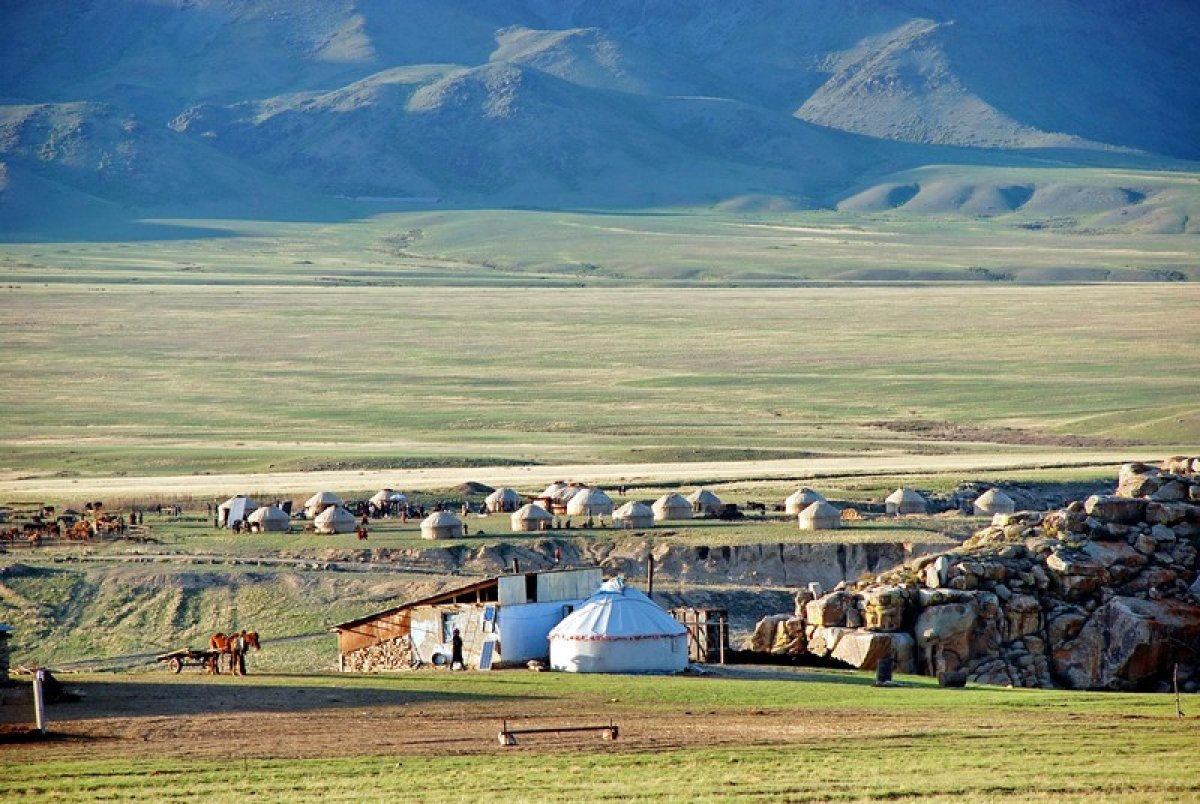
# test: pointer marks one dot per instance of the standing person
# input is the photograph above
(456, 652)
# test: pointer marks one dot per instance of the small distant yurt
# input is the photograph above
(819, 516)
(235, 509)
(441, 525)
(905, 501)
(590, 502)
(618, 630)
(503, 501)
(531, 517)
(704, 502)
(270, 518)
(335, 519)
(671, 506)
(551, 491)
(633, 515)
(800, 500)
(382, 498)
(319, 502)
(994, 501)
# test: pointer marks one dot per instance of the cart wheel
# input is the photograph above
(176, 665)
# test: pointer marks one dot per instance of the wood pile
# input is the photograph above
(391, 654)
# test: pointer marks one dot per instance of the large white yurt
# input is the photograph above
(704, 502)
(503, 501)
(905, 501)
(819, 516)
(994, 501)
(319, 502)
(335, 519)
(618, 630)
(235, 509)
(531, 517)
(270, 518)
(671, 506)
(441, 525)
(590, 502)
(801, 499)
(633, 515)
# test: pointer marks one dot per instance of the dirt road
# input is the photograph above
(526, 477)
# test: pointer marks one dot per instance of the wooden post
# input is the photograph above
(1175, 680)
(650, 576)
(39, 704)
(721, 637)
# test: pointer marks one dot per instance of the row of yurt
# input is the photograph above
(590, 502)
(503, 501)
(633, 515)
(994, 501)
(819, 515)
(270, 518)
(704, 502)
(671, 506)
(441, 525)
(335, 519)
(905, 501)
(234, 510)
(801, 499)
(319, 502)
(530, 517)
(618, 630)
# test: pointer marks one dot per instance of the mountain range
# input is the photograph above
(116, 108)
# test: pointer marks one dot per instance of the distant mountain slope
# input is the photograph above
(558, 102)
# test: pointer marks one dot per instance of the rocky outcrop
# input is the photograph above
(1102, 594)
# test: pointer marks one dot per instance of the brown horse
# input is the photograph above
(236, 645)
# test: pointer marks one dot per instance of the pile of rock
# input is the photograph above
(391, 654)
(1103, 594)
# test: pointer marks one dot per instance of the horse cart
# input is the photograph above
(189, 657)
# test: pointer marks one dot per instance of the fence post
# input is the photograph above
(39, 708)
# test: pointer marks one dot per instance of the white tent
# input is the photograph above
(671, 506)
(319, 502)
(633, 515)
(801, 499)
(819, 516)
(994, 501)
(531, 517)
(503, 500)
(551, 491)
(335, 519)
(270, 518)
(618, 630)
(235, 509)
(566, 493)
(704, 502)
(382, 498)
(441, 525)
(905, 501)
(590, 502)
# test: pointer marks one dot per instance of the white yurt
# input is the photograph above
(618, 630)
(801, 499)
(319, 502)
(441, 525)
(633, 515)
(551, 491)
(704, 502)
(235, 509)
(382, 498)
(531, 517)
(590, 502)
(271, 519)
(503, 501)
(565, 494)
(335, 519)
(671, 506)
(905, 501)
(819, 516)
(994, 501)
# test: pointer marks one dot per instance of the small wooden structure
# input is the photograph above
(508, 736)
(708, 633)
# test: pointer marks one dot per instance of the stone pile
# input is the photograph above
(1102, 594)
(391, 654)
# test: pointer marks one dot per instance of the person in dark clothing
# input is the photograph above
(456, 652)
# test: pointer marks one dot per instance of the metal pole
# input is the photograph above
(650, 576)
(39, 707)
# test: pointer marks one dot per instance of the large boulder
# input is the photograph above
(1122, 510)
(1126, 642)
(943, 635)
(1024, 616)
(829, 610)
(864, 649)
(883, 609)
